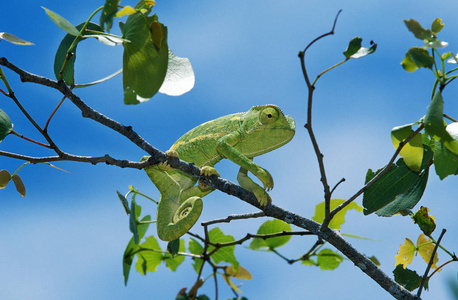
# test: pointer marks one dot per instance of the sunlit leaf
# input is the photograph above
(5, 125)
(425, 249)
(407, 278)
(180, 77)
(270, 227)
(61, 22)
(406, 253)
(223, 254)
(126, 10)
(354, 49)
(417, 58)
(5, 178)
(148, 260)
(437, 26)
(110, 8)
(14, 39)
(197, 249)
(418, 31)
(375, 260)
(328, 259)
(412, 152)
(144, 64)
(20, 187)
(339, 218)
(240, 273)
(435, 125)
(426, 222)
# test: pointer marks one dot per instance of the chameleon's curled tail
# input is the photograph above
(174, 220)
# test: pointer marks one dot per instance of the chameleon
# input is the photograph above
(238, 137)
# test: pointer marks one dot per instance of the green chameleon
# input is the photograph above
(238, 137)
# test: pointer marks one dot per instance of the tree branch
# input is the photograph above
(226, 186)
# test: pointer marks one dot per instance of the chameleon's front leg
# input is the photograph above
(250, 185)
(225, 148)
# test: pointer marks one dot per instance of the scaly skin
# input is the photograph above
(238, 137)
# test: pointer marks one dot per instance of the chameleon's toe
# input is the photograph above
(209, 171)
(172, 153)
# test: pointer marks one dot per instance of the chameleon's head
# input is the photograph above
(265, 128)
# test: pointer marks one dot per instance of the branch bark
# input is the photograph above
(226, 186)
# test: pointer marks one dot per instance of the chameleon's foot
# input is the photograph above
(165, 165)
(207, 171)
(262, 196)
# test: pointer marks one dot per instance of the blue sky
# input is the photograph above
(66, 238)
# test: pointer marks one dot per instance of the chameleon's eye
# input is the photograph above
(268, 115)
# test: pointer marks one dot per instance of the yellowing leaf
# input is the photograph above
(156, 34)
(231, 284)
(426, 222)
(426, 248)
(339, 218)
(19, 184)
(150, 2)
(5, 177)
(412, 152)
(126, 10)
(240, 273)
(406, 253)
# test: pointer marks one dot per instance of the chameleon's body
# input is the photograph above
(238, 137)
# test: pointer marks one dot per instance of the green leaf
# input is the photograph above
(173, 247)
(5, 178)
(396, 190)
(418, 31)
(5, 125)
(61, 22)
(417, 58)
(197, 249)
(328, 259)
(412, 152)
(354, 49)
(14, 39)
(436, 127)
(437, 26)
(223, 254)
(339, 218)
(124, 202)
(144, 63)
(445, 161)
(407, 278)
(173, 261)
(180, 77)
(132, 247)
(269, 227)
(406, 200)
(61, 55)
(135, 211)
(110, 8)
(148, 261)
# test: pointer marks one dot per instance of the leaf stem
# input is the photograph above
(30, 140)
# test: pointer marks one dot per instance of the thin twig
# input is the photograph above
(431, 261)
(308, 126)
(230, 218)
(379, 175)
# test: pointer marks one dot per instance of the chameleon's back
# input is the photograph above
(199, 144)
